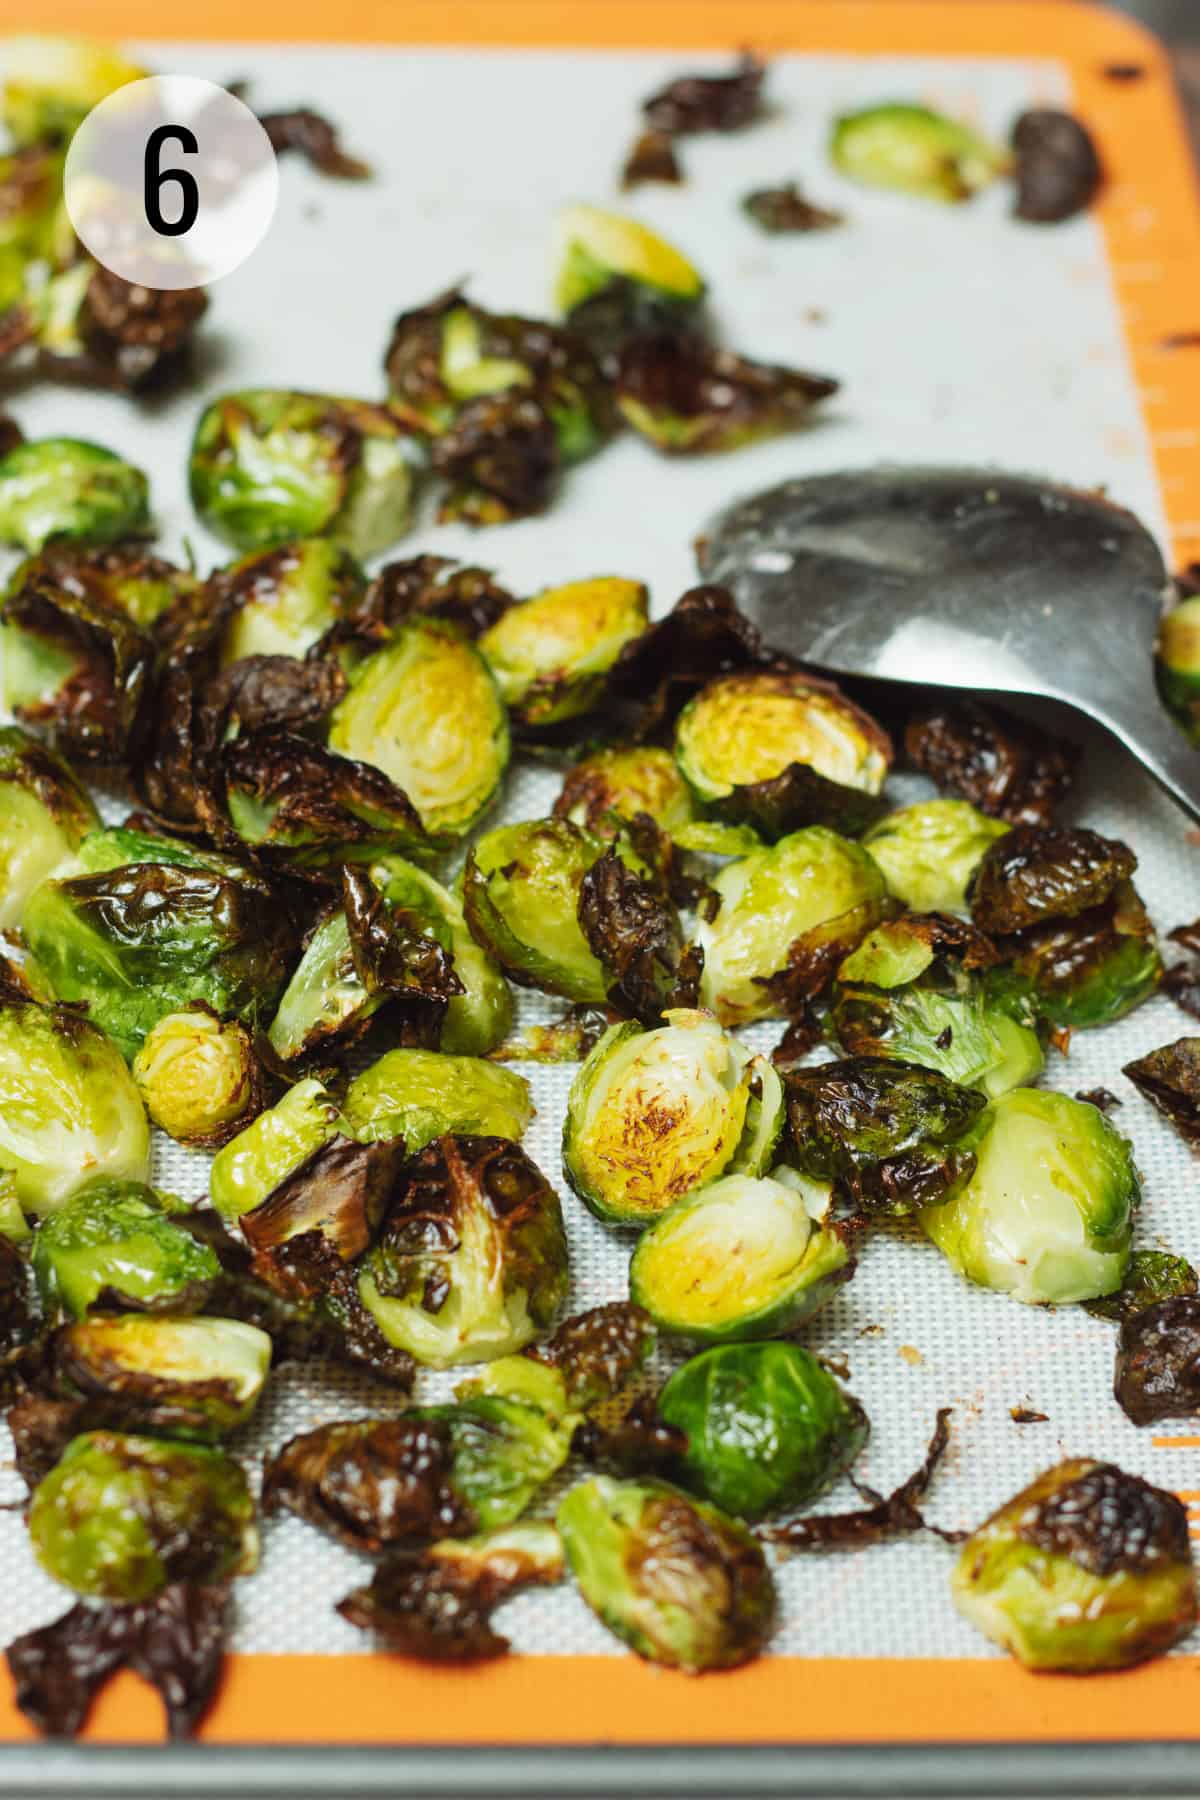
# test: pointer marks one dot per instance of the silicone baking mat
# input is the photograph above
(958, 334)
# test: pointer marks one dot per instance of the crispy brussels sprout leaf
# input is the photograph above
(1003, 765)
(569, 1038)
(1057, 167)
(68, 488)
(316, 139)
(597, 250)
(92, 328)
(44, 813)
(703, 635)
(1034, 873)
(929, 852)
(253, 1164)
(1158, 1357)
(550, 655)
(419, 1095)
(776, 744)
(598, 1352)
(693, 103)
(321, 1215)
(687, 398)
(633, 931)
(435, 587)
(652, 158)
(112, 1245)
(787, 209)
(612, 787)
(1170, 1079)
(373, 1484)
(189, 1377)
(1085, 971)
(895, 1516)
(797, 797)
(200, 1077)
(1152, 1275)
(914, 151)
(500, 458)
(477, 1018)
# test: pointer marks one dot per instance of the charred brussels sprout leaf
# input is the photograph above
(610, 788)
(283, 601)
(788, 916)
(1036, 873)
(1152, 1275)
(1047, 1214)
(320, 1216)
(914, 151)
(68, 1107)
(883, 1518)
(419, 1095)
(113, 1246)
(652, 158)
(1085, 1569)
(748, 729)
(122, 1516)
(88, 326)
(1170, 1079)
(191, 1378)
(633, 930)
(1158, 1350)
(1085, 971)
(1003, 765)
(471, 1262)
(687, 397)
(278, 1141)
(654, 1114)
(597, 1353)
(742, 1258)
(569, 1038)
(44, 814)
(68, 488)
(703, 635)
(1057, 168)
(435, 587)
(799, 796)
(268, 465)
(52, 83)
(476, 1019)
(500, 458)
(550, 655)
(199, 1076)
(309, 808)
(694, 103)
(374, 1484)
(673, 1578)
(125, 577)
(929, 852)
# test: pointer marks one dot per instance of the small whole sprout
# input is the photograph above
(550, 655)
(914, 151)
(616, 277)
(1047, 1214)
(749, 727)
(192, 1378)
(1177, 665)
(306, 808)
(1085, 1569)
(269, 465)
(742, 1258)
(54, 488)
(121, 1516)
(199, 1076)
(654, 1114)
(788, 915)
(69, 1109)
(52, 83)
(420, 1095)
(283, 601)
(929, 851)
(675, 1579)
(767, 1426)
(471, 1260)
(611, 787)
(426, 710)
(253, 1164)
(113, 1246)
(44, 815)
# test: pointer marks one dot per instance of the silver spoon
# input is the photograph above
(962, 578)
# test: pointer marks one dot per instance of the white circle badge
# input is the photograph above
(171, 182)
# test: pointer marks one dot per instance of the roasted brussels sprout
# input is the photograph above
(44, 813)
(269, 465)
(87, 325)
(883, 1517)
(673, 1578)
(253, 1164)
(608, 789)
(767, 1426)
(631, 927)
(592, 1356)
(606, 257)
(1035, 873)
(471, 1261)
(121, 1516)
(769, 810)
(892, 1136)
(928, 852)
(192, 1378)
(318, 1219)
(282, 601)
(915, 151)
(751, 726)
(113, 1246)
(1047, 1214)
(426, 710)
(1150, 1276)
(476, 1020)
(305, 807)
(1055, 165)
(1177, 664)
(1085, 971)
(52, 83)
(654, 1114)
(1085, 1569)
(68, 488)
(742, 1258)
(1170, 1079)
(550, 655)
(1001, 764)
(786, 209)
(703, 635)
(788, 916)
(420, 1095)
(199, 1076)
(126, 578)
(145, 925)
(68, 1107)
(687, 398)
(1158, 1356)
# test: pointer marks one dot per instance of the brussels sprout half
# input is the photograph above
(52, 83)
(915, 151)
(788, 915)
(750, 726)
(69, 1109)
(596, 248)
(284, 600)
(1081, 972)
(928, 852)
(420, 1095)
(550, 655)
(654, 1114)
(603, 791)
(199, 1076)
(743, 1258)
(255, 1162)
(121, 1516)
(112, 1244)
(426, 710)
(1085, 1569)
(68, 488)
(1047, 1215)
(192, 1378)
(44, 814)
(767, 1426)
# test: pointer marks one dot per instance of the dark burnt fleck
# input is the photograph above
(1004, 766)
(1100, 1097)
(1123, 72)
(1025, 1415)
(316, 139)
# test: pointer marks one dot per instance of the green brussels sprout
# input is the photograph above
(420, 1095)
(521, 890)
(550, 655)
(928, 852)
(750, 726)
(1047, 1215)
(610, 788)
(192, 1378)
(788, 915)
(253, 1164)
(471, 1260)
(1081, 972)
(121, 1516)
(68, 1107)
(767, 1426)
(67, 488)
(199, 1077)
(145, 925)
(914, 151)
(912, 990)
(126, 578)
(743, 1258)
(284, 600)
(478, 1019)
(269, 465)
(52, 83)
(426, 710)
(44, 815)
(654, 1114)
(1085, 1569)
(112, 1244)
(1036, 873)
(1150, 1276)
(596, 249)
(673, 1578)
(1177, 664)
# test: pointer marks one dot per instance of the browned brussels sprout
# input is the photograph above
(44, 813)
(1057, 169)
(321, 1215)
(633, 931)
(316, 139)
(113, 1245)
(282, 601)
(200, 1077)
(686, 397)
(1034, 873)
(1158, 1360)
(609, 788)
(800, 795)
(596, 1353)
(617, 280)
(550, 655)
(436, 587)
(68, 488)
(703, 635)
(913, 150)
(181, 1377)
(1003, 765)
(499, 458)
(1152, 1275)
(373, 1484)
(88, 326)
(1085, 971)
(1170, 1079)
(309, 808)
